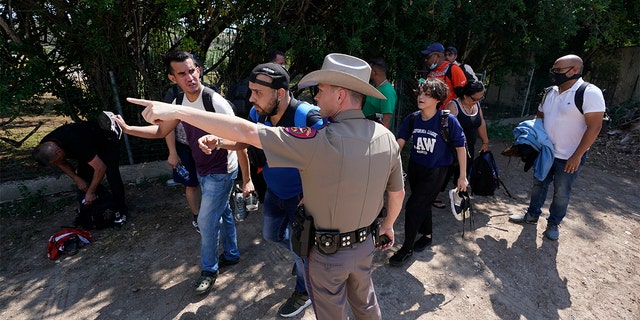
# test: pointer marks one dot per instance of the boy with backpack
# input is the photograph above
(431, 155)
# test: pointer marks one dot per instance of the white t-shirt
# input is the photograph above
(563, 122)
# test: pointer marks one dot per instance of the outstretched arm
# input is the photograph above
(158, 131)
(222, 125)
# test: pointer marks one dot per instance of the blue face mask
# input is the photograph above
(433, 66)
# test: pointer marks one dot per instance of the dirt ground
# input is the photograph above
(499, 270)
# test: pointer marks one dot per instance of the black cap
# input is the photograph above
(452, 50)
(279, 76)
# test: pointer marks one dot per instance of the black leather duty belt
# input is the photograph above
(329, 242)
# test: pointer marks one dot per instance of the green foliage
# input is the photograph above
(70, 48)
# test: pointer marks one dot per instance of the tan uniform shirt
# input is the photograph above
(345, 168)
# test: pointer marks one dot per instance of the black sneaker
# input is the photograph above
(400, 257)
(422, 244)
(223, 262)
(295, 304)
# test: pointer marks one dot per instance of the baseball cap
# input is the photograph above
(434, 47)
(279, 76)
(452, 49)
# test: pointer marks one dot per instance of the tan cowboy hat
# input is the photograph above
(344, 71)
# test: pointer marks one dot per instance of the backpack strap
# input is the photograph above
(578, 99)
(544, 94)
(207, 99)
(302, 110)
(444, 126)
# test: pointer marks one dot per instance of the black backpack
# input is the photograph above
(97, 215)
(484, 177)
(578, 99)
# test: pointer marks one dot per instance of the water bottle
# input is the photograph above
(182, 171)
(241, 211)
(252, 202)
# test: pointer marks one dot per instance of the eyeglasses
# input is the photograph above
(559, 70)
(476, 99)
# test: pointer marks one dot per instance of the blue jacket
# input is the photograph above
(532, 132)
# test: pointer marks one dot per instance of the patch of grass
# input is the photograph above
(34, 204)
(500, 132)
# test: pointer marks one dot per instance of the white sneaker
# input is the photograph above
(460, 206)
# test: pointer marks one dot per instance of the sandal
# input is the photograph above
(439, 204)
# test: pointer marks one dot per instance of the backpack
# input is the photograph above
(68, 241)
(578, 99)
(207, 99)
(467, 75)
(444, 124)
(97, 215)
(484, 177)
(256, 155)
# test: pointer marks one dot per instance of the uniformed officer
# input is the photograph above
(345, 167)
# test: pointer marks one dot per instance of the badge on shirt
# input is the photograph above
(301, 132)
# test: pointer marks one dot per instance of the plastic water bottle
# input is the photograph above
(241, 211)
(182, 171)
(252, 202)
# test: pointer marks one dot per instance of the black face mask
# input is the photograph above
(560, 78)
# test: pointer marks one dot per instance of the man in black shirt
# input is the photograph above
(97, 153)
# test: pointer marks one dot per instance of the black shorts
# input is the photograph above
(184, 152)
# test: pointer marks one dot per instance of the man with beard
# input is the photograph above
(275, 106)
(572, 132)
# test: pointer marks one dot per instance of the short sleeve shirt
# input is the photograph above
(345, 167)
(219, 161)
(563, 122)
(458, 78)
(429, 149)
(80, 140)
(374, 105)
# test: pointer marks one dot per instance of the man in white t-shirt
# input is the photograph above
(572, 132)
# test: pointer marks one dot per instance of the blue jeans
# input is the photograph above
(562, 183)
(215, 218)
(277, 215)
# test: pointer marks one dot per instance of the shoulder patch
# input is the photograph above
(301, 132)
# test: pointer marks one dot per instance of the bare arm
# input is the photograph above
(99, 171)
(66, 167)
(222, 125)
(386, 120)
(482, 133)
(394, 205)
(594, 124)
(243, 161)
(462, 183)
(173, 158)
(401, 143)
(155, 131)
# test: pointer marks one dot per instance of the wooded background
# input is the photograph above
(89, 55)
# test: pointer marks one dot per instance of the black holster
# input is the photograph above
(303, 232)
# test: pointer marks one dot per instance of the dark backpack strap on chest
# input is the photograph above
(207, 99)
(578, 99)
